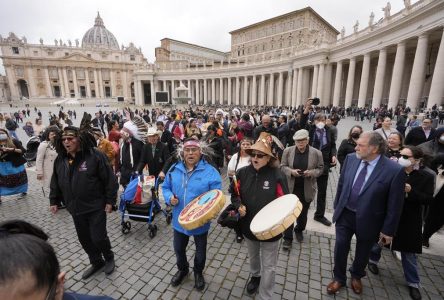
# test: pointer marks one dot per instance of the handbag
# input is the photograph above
(229, 217)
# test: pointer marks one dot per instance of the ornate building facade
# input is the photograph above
(96, 68)
(398, 60)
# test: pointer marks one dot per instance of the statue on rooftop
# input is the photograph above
(386, 10)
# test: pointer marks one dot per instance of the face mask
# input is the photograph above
(355, 135)
(404, 162)
(320, 125)
(442, 138)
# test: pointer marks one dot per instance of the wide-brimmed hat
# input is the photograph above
(153, 131)
(263, 144)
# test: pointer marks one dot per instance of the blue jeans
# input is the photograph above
(408, 261)
(13, 134)
(180, 243)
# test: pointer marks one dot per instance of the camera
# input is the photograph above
(315, 101)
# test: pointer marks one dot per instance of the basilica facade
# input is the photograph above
(397, 59)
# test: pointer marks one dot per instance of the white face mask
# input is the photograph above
(441, 138)
(404, 162)
(320, 125)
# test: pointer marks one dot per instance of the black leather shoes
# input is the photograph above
(253, 285)
(199, 281)
(323, 220)
(415, 294)
(286, 245)
(178, 277)
(92, 269)
(373, 268)
(110, 265)
(299, 236)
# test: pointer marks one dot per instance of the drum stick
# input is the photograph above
(236, 188)
(171, 180)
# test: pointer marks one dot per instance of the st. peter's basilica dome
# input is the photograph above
(99, 37)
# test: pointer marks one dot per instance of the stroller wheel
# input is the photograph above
(126, 227)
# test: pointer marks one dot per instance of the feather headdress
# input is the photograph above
(84, 133)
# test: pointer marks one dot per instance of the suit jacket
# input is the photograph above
(380, 201)
(315, 165)
(156, 163)
(417, 136)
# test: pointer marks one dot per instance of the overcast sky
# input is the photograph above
(205, 23)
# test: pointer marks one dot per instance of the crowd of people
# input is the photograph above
(269, 152)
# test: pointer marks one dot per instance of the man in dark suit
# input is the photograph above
(166, 137)
(368, 204)
(421, 134)
(154, 154)
(98, 122)
(321, 138)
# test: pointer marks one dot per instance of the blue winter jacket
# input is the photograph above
(187, 186)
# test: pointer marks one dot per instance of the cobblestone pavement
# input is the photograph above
(145, 266)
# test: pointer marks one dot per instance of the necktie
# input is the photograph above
(356, 189)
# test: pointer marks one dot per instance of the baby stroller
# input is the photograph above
(144, 212)
(31, 150)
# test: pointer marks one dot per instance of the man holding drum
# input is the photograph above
(302, 164)
(185, 181)
(259, 184)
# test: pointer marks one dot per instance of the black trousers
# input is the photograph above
(322, 195)
(435, 218)
(91, 230)
(180, 244)
(301, 221)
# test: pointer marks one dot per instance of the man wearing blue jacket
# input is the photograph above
(185, 181)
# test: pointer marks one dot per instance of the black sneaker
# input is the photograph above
(110, 265)
(425, 243)
(415, 294)
(253, 285)
(286, 245)
(239, 239)
(323, 220)
(299, 236)
(199, 281)
(92, 269)
(372, 267)
(178, 277)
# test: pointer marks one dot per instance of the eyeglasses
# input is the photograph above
(69, 139)
(190, 150)
(258, 155)
(406, 156)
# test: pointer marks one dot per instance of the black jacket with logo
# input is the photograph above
(257, 189)
(85, 185)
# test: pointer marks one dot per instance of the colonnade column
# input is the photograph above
(379, 81)
(350, 82)
(262, 97)
(280, 88)
(418, 72)
(314, 85)
(153, 91)
(299, 88)
(112, 76)
(398, 70)
(74, 80)
(31, 83)
(61, 83)
(254, 91)
(437, 88)
(294, 85)
(237, 90)
(338, 81)
(124, 84)
(245, 98)
(326, 96)
(196, 101)
(65, 81)
(48, 83)
(364, 80)
(100, 92)
(320, 87)
(213, 91)
(271, 90)
(205, 92)
(221, 91)
(88, 86)
(229, 90)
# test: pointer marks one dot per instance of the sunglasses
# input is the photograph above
(258, 155)
(69, 139)
(406, 156)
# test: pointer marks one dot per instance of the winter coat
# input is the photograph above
(44, 164)
(408, 237)
(347, 146)
(186, 186)
(85, 185)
